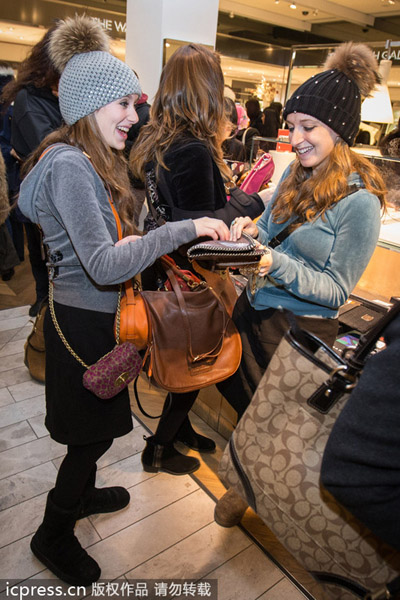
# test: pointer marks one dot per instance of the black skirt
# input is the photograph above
(73, 414)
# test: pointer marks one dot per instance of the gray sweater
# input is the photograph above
(66, 197)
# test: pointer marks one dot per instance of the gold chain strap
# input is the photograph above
(51, 299)
(60, 333)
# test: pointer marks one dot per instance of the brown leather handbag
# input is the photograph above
(134, 318)
(192, 341)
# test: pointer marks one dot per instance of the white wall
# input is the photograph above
(149, 22)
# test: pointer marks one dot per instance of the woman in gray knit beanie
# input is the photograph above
(74, 182)
(328, 203)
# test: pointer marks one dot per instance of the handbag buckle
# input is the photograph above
(381, 594)
(121, 379)
(351, 378)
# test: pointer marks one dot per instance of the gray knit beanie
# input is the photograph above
(334, 96)
(90, 76)
(92, 80)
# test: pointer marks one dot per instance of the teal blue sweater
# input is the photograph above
(316, 268)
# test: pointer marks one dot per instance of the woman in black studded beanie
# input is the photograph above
(328, 201)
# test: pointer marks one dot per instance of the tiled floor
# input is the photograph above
(167, 531)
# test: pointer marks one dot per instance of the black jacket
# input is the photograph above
(36, 113)
(192, 186)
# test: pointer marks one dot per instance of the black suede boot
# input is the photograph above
(188, 436)
(56, 546)
(102, 500)
(156, 457)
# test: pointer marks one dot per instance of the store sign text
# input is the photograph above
(384, 54)
(110, 25)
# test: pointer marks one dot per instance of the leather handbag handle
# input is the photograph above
(213, 352)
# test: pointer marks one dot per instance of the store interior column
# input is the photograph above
(149, 24)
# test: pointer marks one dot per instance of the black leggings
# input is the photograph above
(76, 470)
(174, 416)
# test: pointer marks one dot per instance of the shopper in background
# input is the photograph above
(232, 149)
(253, 109)
(15, 228)
(142, 108)
(69, 191)
(331, 198)
(271, 124)
(35, 114)
(389, 166)
(181, 145)
(8, 255)
(390, 144)
(253, 129)
(361, 462)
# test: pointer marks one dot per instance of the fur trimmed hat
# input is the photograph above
(334, 96)
(91, 77)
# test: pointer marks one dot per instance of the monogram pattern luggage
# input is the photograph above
(273, 461)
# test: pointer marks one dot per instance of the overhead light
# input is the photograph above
(276, 1)
(391, 2)
(293, 5)
(315, 12)
(231, 15)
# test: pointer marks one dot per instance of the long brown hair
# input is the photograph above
(37, 70)
(309, 196)
(190, 99)
(110, 164)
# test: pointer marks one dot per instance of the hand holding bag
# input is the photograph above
(274, 456)
(217, 254)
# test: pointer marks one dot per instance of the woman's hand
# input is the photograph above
(128, 239)
(213, 228)
(242, 224)
(265, 264)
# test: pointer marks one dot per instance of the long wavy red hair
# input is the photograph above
(309, 196)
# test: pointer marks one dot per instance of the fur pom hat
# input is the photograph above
(334, 96)
(90, 76)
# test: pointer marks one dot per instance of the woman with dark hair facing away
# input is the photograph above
(331, 198)
(255, 114)
(271, 125)
(232, 149)
(75, 180)
(181, 148)
(36, 113)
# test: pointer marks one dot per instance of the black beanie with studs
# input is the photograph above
(334, 96)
